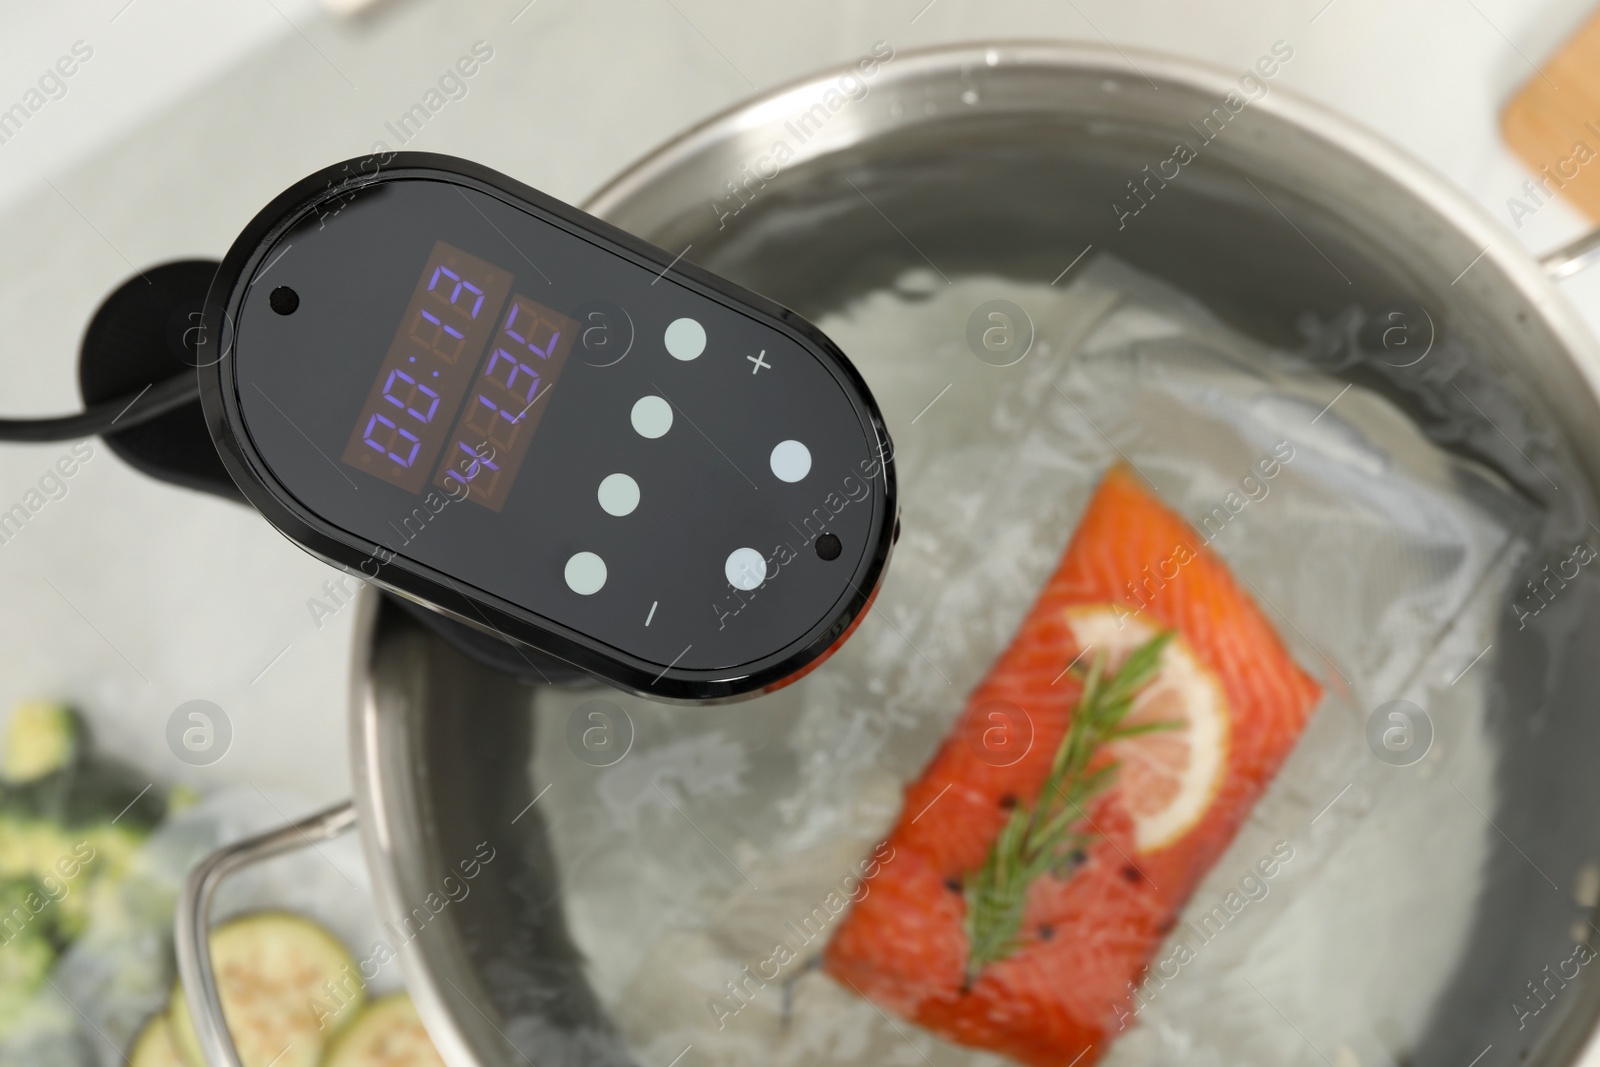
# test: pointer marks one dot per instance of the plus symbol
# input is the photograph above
(759, 362)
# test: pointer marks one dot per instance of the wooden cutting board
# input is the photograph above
(1553, 125)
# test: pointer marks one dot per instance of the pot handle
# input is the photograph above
(192, 924)
(1572, 258)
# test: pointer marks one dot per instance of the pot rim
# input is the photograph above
(1520, 267)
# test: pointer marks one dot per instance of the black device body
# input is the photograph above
(367, 346)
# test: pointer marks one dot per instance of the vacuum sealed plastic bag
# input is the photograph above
(706, 867)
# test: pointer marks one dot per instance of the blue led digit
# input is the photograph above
(388, 450)
(525, 341)
(511, 319)
(440, 328)
(406, 404)
(475, 461)
(497, 412)
(500, 426)
(433, 404)
(366, 435)
(446, 327)
(472, 466)
(529, 375)
(549, 346)
(416, 446)
(455, 293)
(474, 290)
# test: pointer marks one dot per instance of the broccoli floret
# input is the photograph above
(40, 739)
(24, 964)
(26, 952)
(34, 847)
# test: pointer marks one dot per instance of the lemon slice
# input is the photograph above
(1167, 778)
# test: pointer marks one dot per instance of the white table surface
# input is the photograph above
(128, 598)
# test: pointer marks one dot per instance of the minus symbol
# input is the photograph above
(652, 614)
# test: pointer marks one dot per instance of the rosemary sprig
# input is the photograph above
(1045, 836)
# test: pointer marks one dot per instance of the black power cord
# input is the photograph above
(108, 416)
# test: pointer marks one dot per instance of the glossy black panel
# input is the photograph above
(309, 373)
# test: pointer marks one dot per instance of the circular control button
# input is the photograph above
(791, 461)
(652, 416)
(619, 494)
(586, 573)
(746, 568)
(685, 339)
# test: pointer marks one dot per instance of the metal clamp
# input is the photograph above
(1572, 258)
(192, 925)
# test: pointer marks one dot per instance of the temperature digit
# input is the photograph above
(514, 369)
(498, 425)
(529, 340)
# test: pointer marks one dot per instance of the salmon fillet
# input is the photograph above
(1089, 931)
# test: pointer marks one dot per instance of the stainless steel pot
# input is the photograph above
(1004, 158)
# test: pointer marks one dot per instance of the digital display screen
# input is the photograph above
(437, 361)
(506, 400)
(431, 361)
